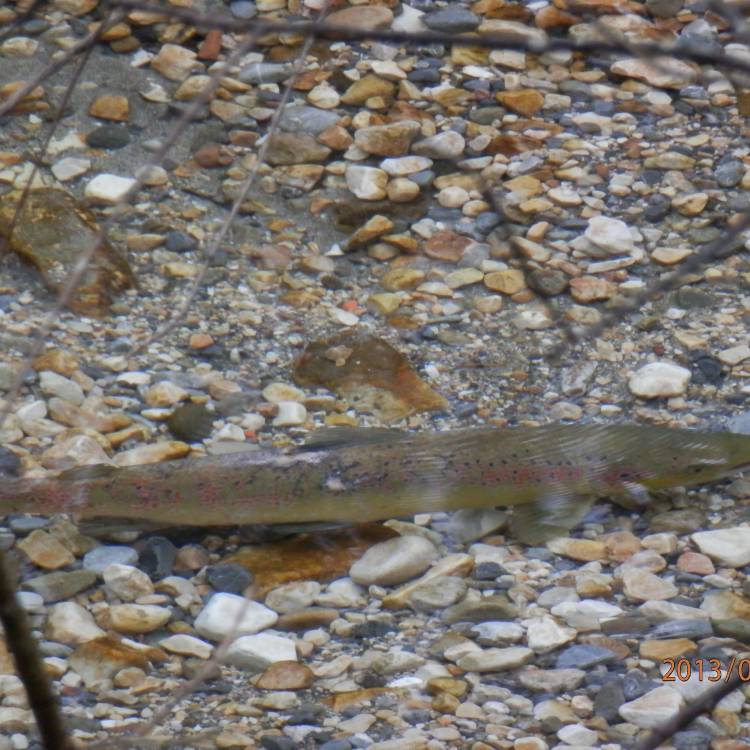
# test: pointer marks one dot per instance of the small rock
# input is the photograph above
(134, 619)
(175, 62)
(45, 551)
(641, 585)
(665, 72)
(286, 675)
(126, 582)
(394, 561)
(659, 379)
(612, 236)
(187, 645)
(108, 189)
(100, 557)
(545, 634)
(256, 652)
(367, 183)
(496, 659)
(653, 709)
(223, 611)
(445, 145)
(68, 622)
(729, 547)
(393, 139)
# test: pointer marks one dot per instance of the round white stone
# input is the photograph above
(659, 379)
(108, 189)
(729, 547)
(225, 613)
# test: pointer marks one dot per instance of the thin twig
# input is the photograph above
(30, 666)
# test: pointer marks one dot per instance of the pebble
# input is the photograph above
(99, 558)
(495, 659)
(108, 189)
(654, 708)
(729, 546)
(126, 582)
(367, 183)
(225, 613)
(230, 578)
(256, 652)
(70, 623)
(186, 645)
(659, 379)
(134, 619)
(394, 561)
(45, 551)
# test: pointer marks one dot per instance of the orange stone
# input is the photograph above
(111, 107)
(523, 101)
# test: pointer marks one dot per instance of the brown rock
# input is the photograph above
(286, 675)
(307, 619)
(302, 176)
(51, 230)
(367, 87)
(376, 376)
(111, 107)
(584, 550)
(666, 648)
(175, 62)
(101, 659)
(551, 17)
(509, 281)
(336, 138)
(211, 46)
(45, 551)
(586, 289)
(365, 17)
(296, 148)
(447, 246)
(621, 545)
(525, 102)
(399, 279)
(695, 562)
(213, 155)
(57, 360)
(200, 341)
(374, 227)
(393, 139)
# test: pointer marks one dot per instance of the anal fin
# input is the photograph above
(550, 515)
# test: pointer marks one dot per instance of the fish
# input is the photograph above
(550, 474)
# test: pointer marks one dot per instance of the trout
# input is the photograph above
(551, 474)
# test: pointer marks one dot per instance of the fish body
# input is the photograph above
(550, 472)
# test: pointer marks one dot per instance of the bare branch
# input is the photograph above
(30, 666)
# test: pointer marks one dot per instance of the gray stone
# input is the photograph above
(99, 558)
(453, 19)
(264, 72)
(304, 119)
(729, 173)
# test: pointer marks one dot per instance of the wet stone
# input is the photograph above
(54, 587)
(157, 556)
(451, 20)
(100, 557)
(109, 137)
(191, 422)
(729, 173)
(231, 578)
(584, 657)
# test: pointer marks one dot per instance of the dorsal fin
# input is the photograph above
(346, 437)
(92, 471)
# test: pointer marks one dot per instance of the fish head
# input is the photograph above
(710, 457)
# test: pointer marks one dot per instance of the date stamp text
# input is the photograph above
(710, 670)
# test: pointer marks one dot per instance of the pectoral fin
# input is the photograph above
(548, 516)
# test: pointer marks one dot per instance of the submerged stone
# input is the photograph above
(50, 234)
